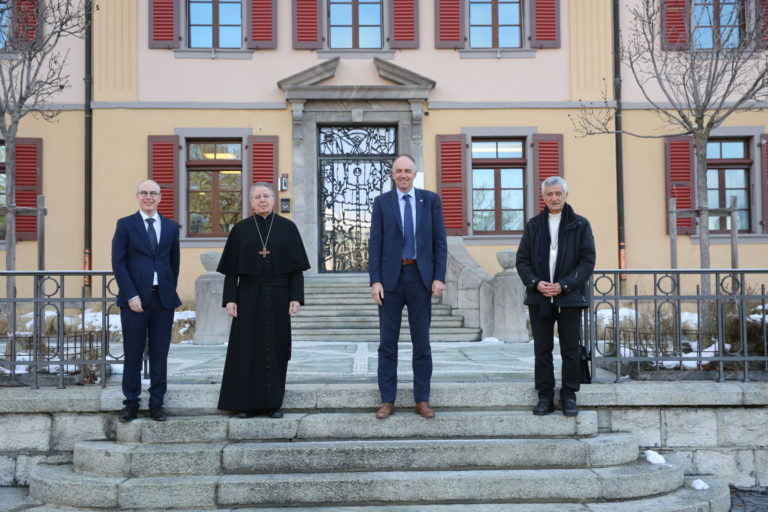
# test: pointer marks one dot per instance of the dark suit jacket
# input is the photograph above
(134, 264)
(385, 246)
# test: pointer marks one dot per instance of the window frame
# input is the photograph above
(716, 28)
(215, 166)
(723, 164)
(356, 26)
(215, 26)
(497, 164)
(495, 26)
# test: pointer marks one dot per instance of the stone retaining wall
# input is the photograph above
(706, 427)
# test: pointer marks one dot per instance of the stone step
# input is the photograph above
(357, 425)
(362, 298)
(59, 484)
(436, 334)
(141, 460)
(352, 310)
(372, 322)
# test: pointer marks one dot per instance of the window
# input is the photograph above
(354, 24)
(215, 23)
(495, 24)
(718, 23)
(498, 186)
(3, 30)
(728, 171)
(214, 187)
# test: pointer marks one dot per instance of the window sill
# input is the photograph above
(201, 243)
(723, 239)
(522, 53)
(492, 239)
(356, 54)
(212, 53)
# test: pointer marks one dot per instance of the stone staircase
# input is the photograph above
(335, 456)
(339, 307)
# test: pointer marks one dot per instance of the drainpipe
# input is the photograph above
(618, 139)
(88, 149)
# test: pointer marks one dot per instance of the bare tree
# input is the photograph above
(694, 74)
(32, 73)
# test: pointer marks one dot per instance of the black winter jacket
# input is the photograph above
(575, 260)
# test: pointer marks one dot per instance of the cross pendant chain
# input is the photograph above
(264, 252)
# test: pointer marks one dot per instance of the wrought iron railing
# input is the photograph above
(678, 324)
(55, 329)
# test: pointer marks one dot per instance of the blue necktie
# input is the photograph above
(152, 234)
(409, 252)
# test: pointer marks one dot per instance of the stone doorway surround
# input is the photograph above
(401, 104)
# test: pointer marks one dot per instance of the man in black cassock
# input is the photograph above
(263, 261)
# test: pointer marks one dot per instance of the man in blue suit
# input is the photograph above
(145, 261)
(407, 254)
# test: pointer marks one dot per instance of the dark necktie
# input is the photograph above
(409, 252)
(152, 234)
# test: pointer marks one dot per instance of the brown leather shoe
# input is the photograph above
(424, 410)
(387, 409)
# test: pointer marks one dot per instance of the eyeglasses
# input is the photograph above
(148, 193)
(258, 198)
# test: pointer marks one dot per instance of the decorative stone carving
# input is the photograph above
(211, 320)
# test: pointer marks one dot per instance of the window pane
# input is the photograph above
(712, 178)
(483, 150)
(512, 199)
(743, 220)
(509, 13)
(481, 37)
(201, 13)
(729, 14)
(741, 198)
(229, 37)
(2, 226)
(369, 14)
(199, 223)
(509, 37)
(227, 221)
(200, 180)
(370, 37)
(731, 37)
(713, 198)
(341, 37)
(230, 201)
(704, 14)
(484, 221)
(341, 14)
(512, 220)
(483, 200)
(230, 13)
(202, 151)
(510, 149)
(512, 178)
(714, 224)
(733, 149)
(230, 180)
(2, 192)
(735, 178)
(2, 154)
(200, 37)
(228, 151)
(480, 13)
(713, 150)
(704, 38)
(482, 178)
(200, 202)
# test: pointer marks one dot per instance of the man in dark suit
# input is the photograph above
(407, 254)
(145, 261)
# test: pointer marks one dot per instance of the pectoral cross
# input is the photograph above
(264, 252)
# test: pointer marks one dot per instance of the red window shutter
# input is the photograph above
(27, 19)
(262, 151)
(164, 169)
(307, 24)
(545, 23)
(679, 179)
(29, 184)
(451, 155)
(547, 160)
(404, 15)
(449, 24)
(164, 23)
(261, 17)
(762, 17)
(764, 158)
(675, 23)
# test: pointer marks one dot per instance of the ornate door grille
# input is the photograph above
(354, 168)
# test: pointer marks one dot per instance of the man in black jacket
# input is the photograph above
(555, 259)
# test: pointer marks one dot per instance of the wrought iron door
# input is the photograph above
(354, 166)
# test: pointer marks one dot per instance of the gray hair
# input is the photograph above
(552, 181)
(138, 187)
(263, 184)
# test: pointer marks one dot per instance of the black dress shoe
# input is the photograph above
(569, 407)
(157, 413)
(277, 413)
(128, 413)
(247, 414)
(544, 407)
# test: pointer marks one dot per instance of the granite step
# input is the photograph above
(357, 298)
(59, 484)
(141, 460)
(357, 425)
(437, 334)
(358, 310)
(365, 322)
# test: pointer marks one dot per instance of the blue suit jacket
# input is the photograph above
(134, 264)
(385, 246)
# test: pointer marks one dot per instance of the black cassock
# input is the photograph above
(262, 286)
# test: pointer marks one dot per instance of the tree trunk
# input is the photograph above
(707, 311)
(10, 216)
